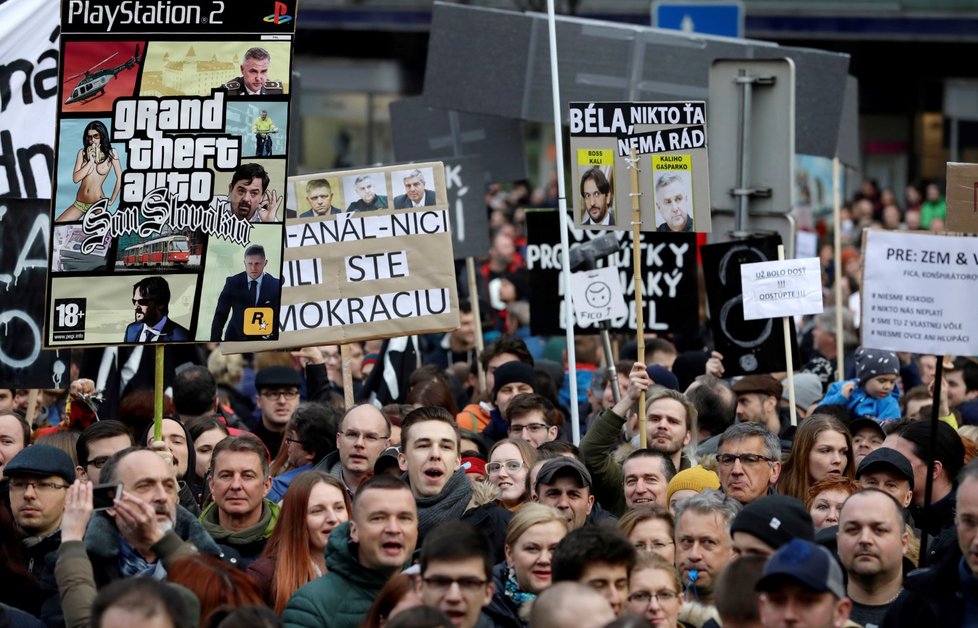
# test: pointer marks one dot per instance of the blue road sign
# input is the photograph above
(708, 18)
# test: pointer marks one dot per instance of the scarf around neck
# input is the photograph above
(447, 505)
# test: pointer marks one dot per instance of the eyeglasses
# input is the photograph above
(728, 460)
(654, 546)
(440, 584)
(644, 597)
(371, 438)
(293, 441)
(512, 466)
(20, 486)
(275, 394)
(143, 302)
(98, 462)
(534, 428)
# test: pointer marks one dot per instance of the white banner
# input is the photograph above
(782, 288)
(597, 295)
(919, 293)
(29, 53)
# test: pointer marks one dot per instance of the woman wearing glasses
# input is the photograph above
(655, 591)
(650, 529)
(508, 469)
(314, 505)
(531, 537)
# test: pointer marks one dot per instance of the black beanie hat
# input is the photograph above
(775, 520)
(509, 373)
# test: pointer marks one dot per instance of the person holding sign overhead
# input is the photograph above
(672, 199)
(596, 198)
(251, 288)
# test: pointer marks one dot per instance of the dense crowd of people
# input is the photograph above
(450, 493)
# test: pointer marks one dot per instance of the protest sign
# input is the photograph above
(465, 179)
(597, 295)
(668, 271)
(28, 85)
(747, 346)
(371, 265)
(168, 209)
(918, 293)
(674, 178)
(962, 198)
(23, 258)
(781, 288)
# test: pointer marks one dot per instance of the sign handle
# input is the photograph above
(345, 360)
(480, 344)
(840, 332)
(639, 298)
(788, 358)
(935, 416)
(158, 396)
(32, 406)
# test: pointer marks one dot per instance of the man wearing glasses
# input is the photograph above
(531, 418)
(151, 304)
(364, 434)
(277, 399)
(749, 457)
(96, 444)
(456, 573)
(39, 479)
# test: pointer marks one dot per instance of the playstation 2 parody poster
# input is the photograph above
(168, 205)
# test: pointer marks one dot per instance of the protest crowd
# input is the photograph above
(451, 493)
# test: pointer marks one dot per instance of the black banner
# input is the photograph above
(465, 181)
(747, 346)
(668, 274)
(23, 266)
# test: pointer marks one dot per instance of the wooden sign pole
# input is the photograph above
(788, 359)
(158, 396)
(345, 360)
(639, 299)
(477, 316)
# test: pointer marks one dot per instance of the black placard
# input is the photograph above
(465, 181)
(23, 262)
(668, 271)
(747, 346)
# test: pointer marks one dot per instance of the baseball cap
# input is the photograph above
(775, 520)
(562, 466)
(810, 565)
(862, 423)
(886, 458)
(41, 461)
(386, 460)
(758, 384)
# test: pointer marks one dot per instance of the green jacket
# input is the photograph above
(607, 476)
(342, 597)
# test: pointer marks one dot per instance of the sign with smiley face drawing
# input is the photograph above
(597, 295)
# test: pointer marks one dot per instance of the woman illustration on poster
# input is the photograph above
(95, 159)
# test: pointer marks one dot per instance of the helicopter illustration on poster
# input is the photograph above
(93, 85)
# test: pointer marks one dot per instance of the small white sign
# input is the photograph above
(597, 295)
(782, 288)
(919, 293)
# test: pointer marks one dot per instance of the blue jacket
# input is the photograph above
(860, 404)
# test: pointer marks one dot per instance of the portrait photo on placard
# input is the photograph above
(365, 192)
(413, 188)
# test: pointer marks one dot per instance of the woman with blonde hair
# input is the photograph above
(650, 529)
(822, 449)
(655, 591)
(531, 538)
(508, 468)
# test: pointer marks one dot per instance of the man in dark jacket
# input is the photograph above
(360, 557)
(457, 553)
(946, 593)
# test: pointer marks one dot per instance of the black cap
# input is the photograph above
(775, 520)
(561, 466)
(272, 376)
(860, 424)
(889, 459)
(41, 461)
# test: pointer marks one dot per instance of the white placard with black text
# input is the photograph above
(597, 295)
(782, 288)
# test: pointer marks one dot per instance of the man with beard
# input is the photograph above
(672, 199)
(141, 535)
(151, 300)
(246, 197)
(669, 416)
(596, 198)
(872, 541)
(369, 199)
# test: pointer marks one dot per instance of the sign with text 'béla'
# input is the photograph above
(782, 288)
(369, 256)
(918, 293)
